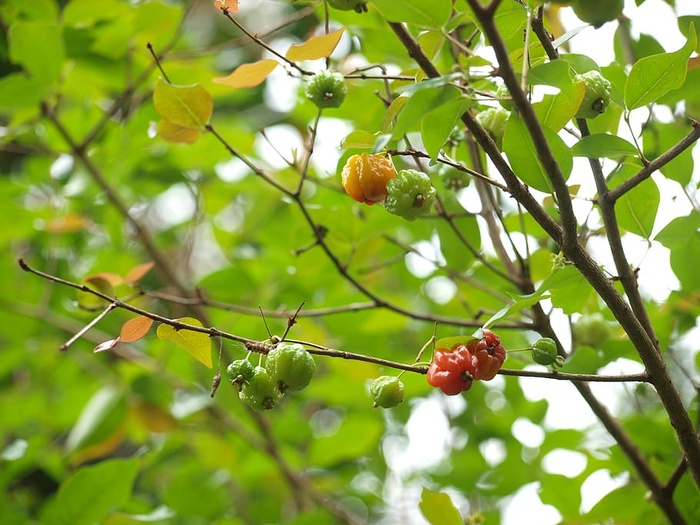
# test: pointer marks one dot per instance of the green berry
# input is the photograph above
(597, 12)
(261, 392)
(410, 194)
(326, 89)
(240, 371)
(453, 179)
(503, 96)
(386, 391)
(597, 96)
(347, 5)
(592, 330)
(290, 366)
(494, 121)
(544, 351)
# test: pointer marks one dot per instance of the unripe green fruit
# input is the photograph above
(494, 121)
(592, 330)
(240, 371)
(597, 96)
(597, 12)
(261, 392)
(326, 89)
(544, 351)
(504, 97)
(290, 366)
(386, 391)
(410, 194)
(347, 5)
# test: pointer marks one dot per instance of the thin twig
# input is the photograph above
(87, 327)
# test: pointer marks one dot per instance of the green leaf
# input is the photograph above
(636, 209)
(418, 105)
(676, 233)
(522, 156)
(437, 125)
(438, 509)
(603, 145)
(38, 47)
(87, 496)
(358, 139)
(197, 344)
(99, 420)
(184, 106)
(555, 111)
(433, 14)
(579, 63)
(523, 301)
(556, 73)
(569, 289)
(449, 342)
(654, 76)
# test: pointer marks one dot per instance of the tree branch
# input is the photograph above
(657, 163)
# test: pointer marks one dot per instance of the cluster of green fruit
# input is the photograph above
(595, 101)
(288, 368)
(371, 178)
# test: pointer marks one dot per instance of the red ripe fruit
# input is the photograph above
(452, 371)
(489, 354)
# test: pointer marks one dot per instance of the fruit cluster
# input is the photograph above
(289, 367)
(372, 178)
(453, 370)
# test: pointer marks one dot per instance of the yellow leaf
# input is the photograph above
(197, 344)
(248, 75)
(137, 272)
(185, 106)
(69, 223)
(315, 47)
(173, 133)
(135, 329)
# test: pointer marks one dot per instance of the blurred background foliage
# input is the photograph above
(133, 436)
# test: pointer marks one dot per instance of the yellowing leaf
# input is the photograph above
(104, 283)
(315, 47)
(197, 344)
(135, 329)
(185, 106)
(178, 134)
(69, 223)
(137, 272)
(248, 75)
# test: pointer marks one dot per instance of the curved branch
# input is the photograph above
(656, 164)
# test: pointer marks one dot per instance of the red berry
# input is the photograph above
(489, 354)
(452, 371)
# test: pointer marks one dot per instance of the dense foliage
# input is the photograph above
(171, 186)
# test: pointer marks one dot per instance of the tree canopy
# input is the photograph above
(338, 261)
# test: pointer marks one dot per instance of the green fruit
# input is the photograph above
(592, 330)
(240, 371)
(494, 121)
(453, 179)
(347, 5)
(386, 391)
(503, 96)
(261, 392)
(597, 12)
(544, 351)
(326, 89)
(597, 96)
(290, 366)
(410, 194)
